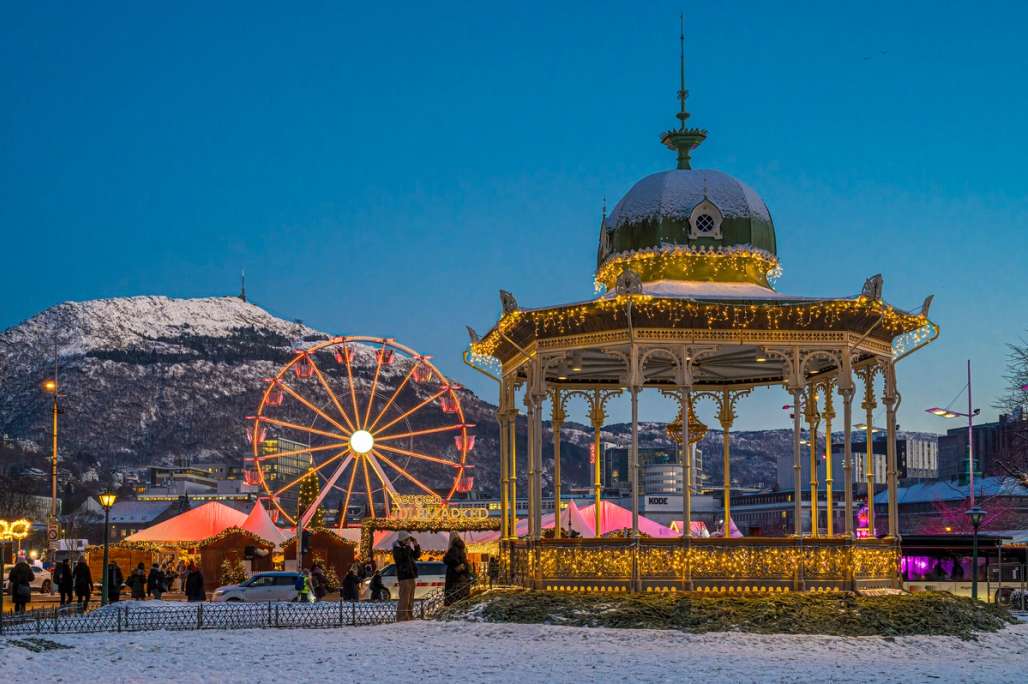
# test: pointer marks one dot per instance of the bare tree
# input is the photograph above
(1013, 457)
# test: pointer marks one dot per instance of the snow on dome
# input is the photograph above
(674, 194)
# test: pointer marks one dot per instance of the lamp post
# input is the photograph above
(106, 500)
(971, 413)
(51, 388)
(975, 513)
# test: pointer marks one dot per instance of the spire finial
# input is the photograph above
(242, 284)
(682, 92)
(604, 207)
(683, 139)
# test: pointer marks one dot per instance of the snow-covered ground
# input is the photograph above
(426, 652)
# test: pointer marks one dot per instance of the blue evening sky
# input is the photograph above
(385, 169)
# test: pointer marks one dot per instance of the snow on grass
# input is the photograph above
(447, 651)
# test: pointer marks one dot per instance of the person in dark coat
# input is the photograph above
(351, 584)
(63, 580)
(155, 582)
(115, 580)
(83, 579)
(319, 582)
(377, 587)
(406, 552)
(137, 582)
(20, 579)
(194, 584)
(458, 572)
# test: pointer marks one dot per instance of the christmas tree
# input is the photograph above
(232, 571)
(309, 488)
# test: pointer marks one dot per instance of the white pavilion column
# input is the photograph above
(502, 418)
(847, 464)
(685, 397)
(512, 440)
(891, 401)
(812, 424)
(869, 404)
(797, 473)
(633, 466)
(530, 462)
(556, 420)
(726, 417)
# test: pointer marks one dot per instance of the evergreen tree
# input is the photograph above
(309, 488)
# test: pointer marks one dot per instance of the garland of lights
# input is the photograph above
(737, 316)
(740, 263)
(714, 562)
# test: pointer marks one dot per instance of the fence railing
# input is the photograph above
(148, 616)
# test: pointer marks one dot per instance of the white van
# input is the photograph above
(431, 578)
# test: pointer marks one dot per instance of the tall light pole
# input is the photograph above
(975, 513)
(51, 388)
(971, 413)
(107, 500)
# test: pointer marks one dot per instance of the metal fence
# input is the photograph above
(144, 616)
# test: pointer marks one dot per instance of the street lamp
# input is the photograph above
(106, 500)
(975, 513)
(971, 413)
(51, 388)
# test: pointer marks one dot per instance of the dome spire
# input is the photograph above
(683, 139)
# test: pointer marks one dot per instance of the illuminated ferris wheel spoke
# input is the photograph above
(312, 509)
(396, 393)
(297, 452)
(318, 468)
(410, 477)
(388, 491)
(420, 406)
(418, 455)
(331, 394)
(418, 433)
(303, 428)
(374, 386)
(353, 390)
(293, 393)
(346, 501)
(367, 484)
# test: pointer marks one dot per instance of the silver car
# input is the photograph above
(262, 586)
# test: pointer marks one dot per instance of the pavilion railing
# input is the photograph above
(759, 562)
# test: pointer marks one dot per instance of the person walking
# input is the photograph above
(137, 583)
(115, 580)
(406, 552)
(376, 587)
(183, 573)
(319, 582)
(194, 584)
(63, 580)
(351, 584)
(20, 582)
(155, 582)
(83, 583)
(458, 573)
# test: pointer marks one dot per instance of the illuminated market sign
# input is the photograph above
(15, 529)
(431, 508)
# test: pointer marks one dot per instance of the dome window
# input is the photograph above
(705, 221)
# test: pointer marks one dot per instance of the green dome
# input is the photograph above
(697, 208)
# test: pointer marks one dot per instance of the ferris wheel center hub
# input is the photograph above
(361, 441)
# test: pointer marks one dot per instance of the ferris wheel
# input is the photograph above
(370, 418)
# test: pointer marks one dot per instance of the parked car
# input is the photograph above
(262, 586)
(42, 581)
(431, 577)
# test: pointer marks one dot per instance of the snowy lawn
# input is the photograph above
(427, 652)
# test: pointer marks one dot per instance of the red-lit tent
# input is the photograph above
(614, 517)
(195, 525)
(259, 522)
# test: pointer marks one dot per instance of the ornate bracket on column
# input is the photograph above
(725, 401)
(867, 374)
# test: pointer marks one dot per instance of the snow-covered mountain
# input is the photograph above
(149, 380)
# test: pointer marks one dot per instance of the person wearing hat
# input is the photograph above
(406, 552)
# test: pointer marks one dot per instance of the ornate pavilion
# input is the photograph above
(686, 305)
